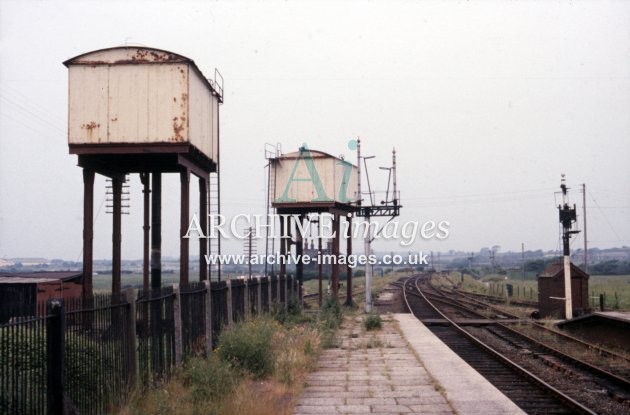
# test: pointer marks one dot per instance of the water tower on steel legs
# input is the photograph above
(146, 111)
(308, 182)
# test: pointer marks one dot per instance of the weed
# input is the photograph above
(329, 339)
(291, 314)
(372, 321)
(308, 347)
(374, 343)
(330, 314)
(248, 346)
(209, 378)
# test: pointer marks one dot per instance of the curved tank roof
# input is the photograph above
(313, 154)
(135, 55)
(127, 55)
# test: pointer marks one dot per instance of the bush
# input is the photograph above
(248, 346)
(89, 365)
(330, 314)
(24, 352)
(209, 378)
(372, 321)
(291, 314)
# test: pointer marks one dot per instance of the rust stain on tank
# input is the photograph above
(90, 126)
(143, 56)
(184, 98)
(178, 127)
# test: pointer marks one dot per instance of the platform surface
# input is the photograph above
(400, 369)
(622, 316)
(466, 390)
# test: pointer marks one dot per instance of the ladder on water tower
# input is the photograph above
(214, 210)
(109, 196)
(270, 240)
(272, 152)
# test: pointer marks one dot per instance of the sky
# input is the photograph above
(486, 102)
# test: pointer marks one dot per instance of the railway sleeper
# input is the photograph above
(554, 363)
(618, 398)
(516, 342)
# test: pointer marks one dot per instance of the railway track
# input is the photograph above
(604, 363)
(501, 300)
(528, 390)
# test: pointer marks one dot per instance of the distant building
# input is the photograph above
(20, 293)
(551, 291)
(6, 263)
(30, 262)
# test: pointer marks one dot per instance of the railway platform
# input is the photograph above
(400, 369)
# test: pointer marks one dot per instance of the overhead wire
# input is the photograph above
(39, 118)
(16, 93)
(438, 202)
(605, 217)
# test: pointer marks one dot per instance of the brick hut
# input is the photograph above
(551, 291)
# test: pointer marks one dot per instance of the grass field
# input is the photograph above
(103, 282)
(616, 288)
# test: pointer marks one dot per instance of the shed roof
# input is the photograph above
(557, 269)
(38, 277)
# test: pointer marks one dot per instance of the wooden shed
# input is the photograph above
(551, 291)
(20, 293)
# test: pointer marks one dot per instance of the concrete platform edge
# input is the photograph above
(466, 390)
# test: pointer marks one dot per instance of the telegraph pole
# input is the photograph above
(585, 240)
(567, 217)
(368, 267)
(523, 261)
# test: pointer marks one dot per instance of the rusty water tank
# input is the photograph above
(140, 99)
(313, 178)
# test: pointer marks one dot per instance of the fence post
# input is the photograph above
(55, 328)
(601, 302)
(278, 288)
(228, 284)
(289, 290)
(294, 285)
(177, 324)
(246, 299)
(258, 296)
(298, 291)
(132, 361)
(208, 316)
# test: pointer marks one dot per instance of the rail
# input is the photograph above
(567, 400)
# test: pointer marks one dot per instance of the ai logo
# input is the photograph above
(313, 176)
